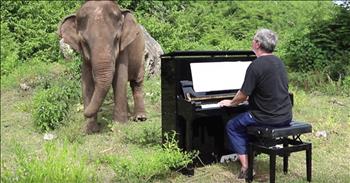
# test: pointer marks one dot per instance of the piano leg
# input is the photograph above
(189, 136)
(189, 170)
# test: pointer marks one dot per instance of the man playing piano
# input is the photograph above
(266, 88)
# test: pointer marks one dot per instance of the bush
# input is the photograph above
(304, 56)
(9, 51)
(51, 106)
(325, 48)
(33, 26)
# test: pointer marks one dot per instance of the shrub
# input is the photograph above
(9, 51)
(33, 26)
(325, 48)
(59, 164)
(52, 105)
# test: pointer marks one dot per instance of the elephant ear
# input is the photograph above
(130, 30)
(68, 32)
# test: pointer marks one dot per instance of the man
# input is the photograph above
(266, 88)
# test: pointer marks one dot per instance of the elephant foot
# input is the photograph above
(92, 127)
(121, 119)
(140, 117)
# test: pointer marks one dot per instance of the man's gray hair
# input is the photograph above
(267, 39)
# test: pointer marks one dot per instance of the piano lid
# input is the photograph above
(218, 76)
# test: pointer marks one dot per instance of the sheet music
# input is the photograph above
(217, 76)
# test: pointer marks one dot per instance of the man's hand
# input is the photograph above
(226, 103)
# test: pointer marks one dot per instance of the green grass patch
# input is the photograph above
(145, 165)
(60, 163)
(32, 73)
(146, 133)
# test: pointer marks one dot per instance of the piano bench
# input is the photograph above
(276, 141)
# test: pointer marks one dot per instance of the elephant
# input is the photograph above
(112, 45)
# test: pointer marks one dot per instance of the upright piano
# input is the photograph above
(192, 82)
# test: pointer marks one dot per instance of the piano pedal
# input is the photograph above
(228, 158)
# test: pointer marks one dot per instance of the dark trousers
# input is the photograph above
(236, 130)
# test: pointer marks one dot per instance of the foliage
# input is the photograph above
(60, 164)
(52, 104)
(33, 25)
(142, 166)
(9, 50)
(325, 48)
(307, 40)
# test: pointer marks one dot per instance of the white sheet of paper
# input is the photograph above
(216, 76)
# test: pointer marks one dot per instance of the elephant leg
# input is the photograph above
(120, 113)
(139, 104)
(88, 89)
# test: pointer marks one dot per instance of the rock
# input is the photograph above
(153, 51)
(24, 86)
(66, 50)
(48, 136)
(321, 134)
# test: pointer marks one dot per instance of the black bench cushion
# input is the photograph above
(295, 128)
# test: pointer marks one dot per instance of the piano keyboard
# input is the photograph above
(208, 106)
(215, 105)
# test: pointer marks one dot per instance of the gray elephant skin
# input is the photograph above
(112, 45)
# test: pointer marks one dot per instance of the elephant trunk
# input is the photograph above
(103, 76)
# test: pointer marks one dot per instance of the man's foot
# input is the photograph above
(243, 174)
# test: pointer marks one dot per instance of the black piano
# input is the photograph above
(199, 125)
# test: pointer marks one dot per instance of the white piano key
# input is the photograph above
(207, 106)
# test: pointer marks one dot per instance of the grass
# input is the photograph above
(132, 152)
(59, 163)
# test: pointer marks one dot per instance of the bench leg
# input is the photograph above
(308, 162)
(285, 158)
(285, 164)
(250, 162)
(272, 167)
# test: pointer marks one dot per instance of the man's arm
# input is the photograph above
(239, 98)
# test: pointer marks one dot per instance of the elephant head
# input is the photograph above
(99, 31)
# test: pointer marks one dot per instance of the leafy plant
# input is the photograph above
(51, 106)
(9, 50)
